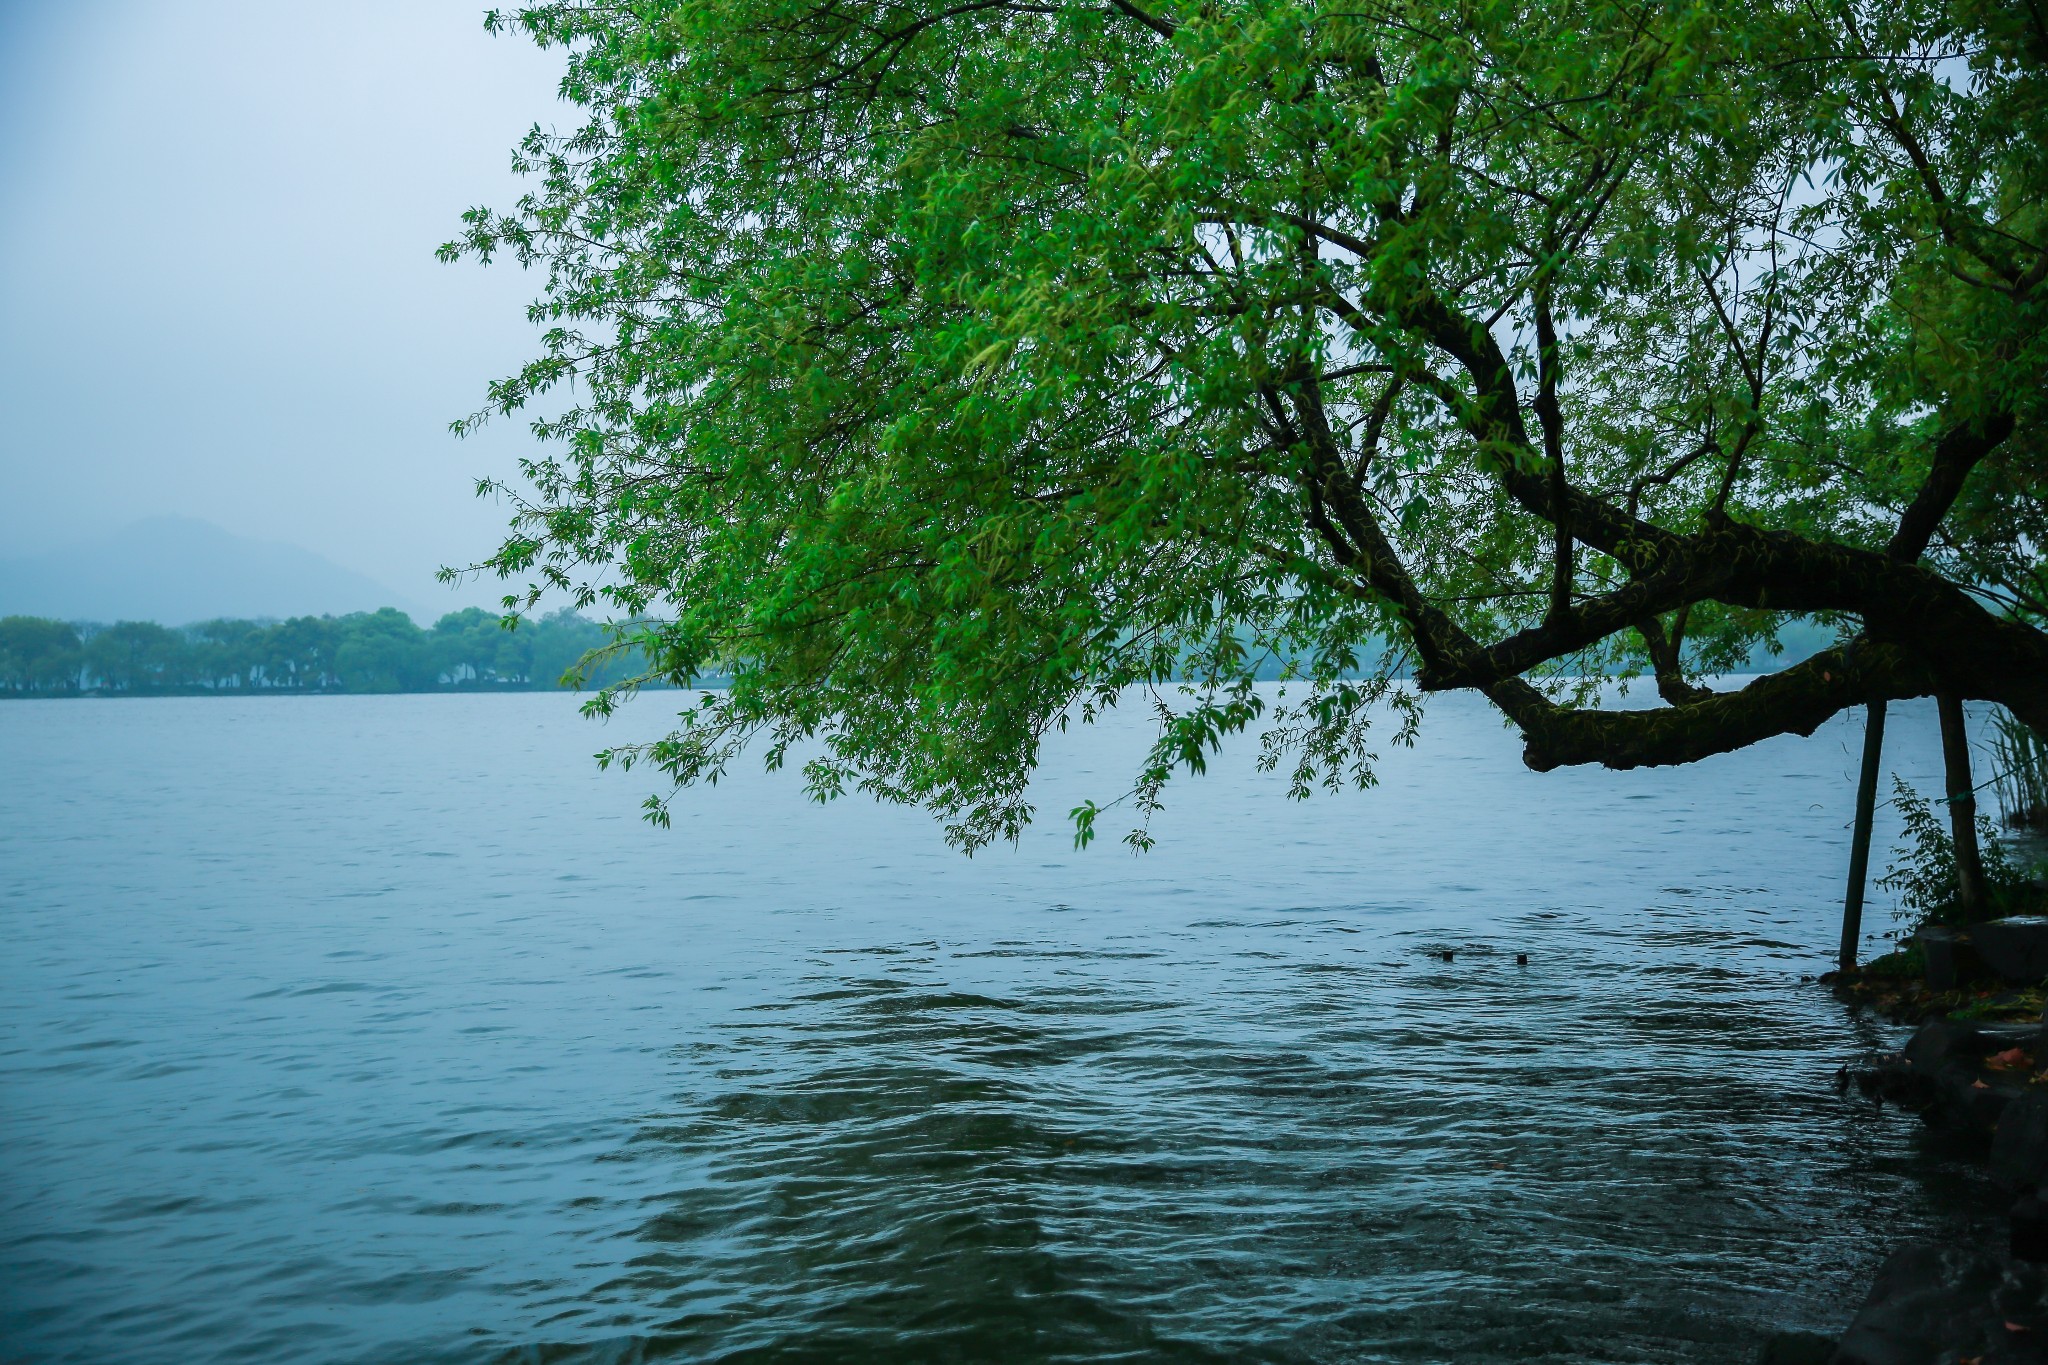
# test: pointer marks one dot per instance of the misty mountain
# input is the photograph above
(175, 570)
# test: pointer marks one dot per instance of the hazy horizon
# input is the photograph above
(218, 292)
(176, 570)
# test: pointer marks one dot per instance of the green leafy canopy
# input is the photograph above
(946, 373)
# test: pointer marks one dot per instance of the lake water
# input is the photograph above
(363, 1029)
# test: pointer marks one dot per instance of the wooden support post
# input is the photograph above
(1962, 807)
(1859, 840)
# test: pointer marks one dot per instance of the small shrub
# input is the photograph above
(1923, 871)
(1901, 962)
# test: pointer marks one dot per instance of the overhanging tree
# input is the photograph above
(942, 371)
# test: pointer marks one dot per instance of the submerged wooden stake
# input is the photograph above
(1859, 842)
(1962, 806)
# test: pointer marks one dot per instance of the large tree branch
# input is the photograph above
(1743, 566)
(1668, 664)
(1164, 27)
(1340, 514)
(1794, 701)
(1959, 451)
(1495, 420)
(1923, 634)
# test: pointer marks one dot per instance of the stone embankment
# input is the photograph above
(1978, 1074)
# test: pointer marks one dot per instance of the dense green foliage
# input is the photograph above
(949, 372)
(379, 651)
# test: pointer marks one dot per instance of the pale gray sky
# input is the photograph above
(218, 295)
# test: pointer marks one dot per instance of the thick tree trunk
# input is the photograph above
(1962, 807)
(1859, 842)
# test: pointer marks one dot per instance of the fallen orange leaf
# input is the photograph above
(2012, 1056)
(1978, 1085)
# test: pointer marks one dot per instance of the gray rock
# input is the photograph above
(1935, 1305)
(1941, 1074)
(1797, 1348)
(1937, 1041)
(2019, 1145)
(2015, 949)
(2028, 1237)
(1938, 951)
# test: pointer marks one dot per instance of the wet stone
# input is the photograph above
(1943, 1075)
(1942, 1304)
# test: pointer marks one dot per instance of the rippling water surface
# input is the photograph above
(380, 1029)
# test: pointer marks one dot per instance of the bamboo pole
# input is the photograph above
(1962, 806)
(1859, 842)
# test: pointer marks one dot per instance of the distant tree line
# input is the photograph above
(380, 651)
(370, 651)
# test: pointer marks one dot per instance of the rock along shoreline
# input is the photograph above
(1975, 1070)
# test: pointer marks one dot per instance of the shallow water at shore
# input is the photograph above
(373, 1029)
